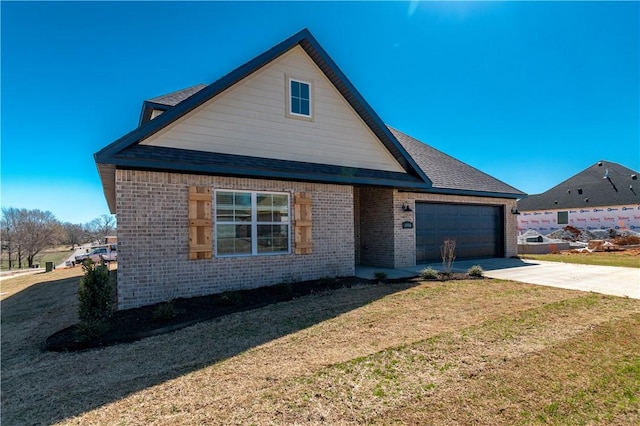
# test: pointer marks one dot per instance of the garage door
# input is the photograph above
(478, 230)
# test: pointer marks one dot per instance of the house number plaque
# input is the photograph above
(407, 225)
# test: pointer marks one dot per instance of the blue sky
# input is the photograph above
(529, 92)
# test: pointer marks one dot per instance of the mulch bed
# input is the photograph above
(133, 324)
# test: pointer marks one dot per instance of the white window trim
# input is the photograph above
(254, 223)
(288, 111)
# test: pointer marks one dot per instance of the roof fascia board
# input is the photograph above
(147, 108)
(161, 166)
(405, 159)
(446, 191)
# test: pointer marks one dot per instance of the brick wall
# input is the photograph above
(153, 239)
(377, 229)
(356, 223)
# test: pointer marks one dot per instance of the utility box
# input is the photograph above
(48, 267)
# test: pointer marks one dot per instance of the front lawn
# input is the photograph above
(459, 352)
(627, 258)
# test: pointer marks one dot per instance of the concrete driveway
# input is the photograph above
(611, 280)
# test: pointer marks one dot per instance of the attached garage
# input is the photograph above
(477, 229)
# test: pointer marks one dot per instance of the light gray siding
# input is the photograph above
(250, 119)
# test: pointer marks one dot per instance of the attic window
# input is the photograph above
(299, 98)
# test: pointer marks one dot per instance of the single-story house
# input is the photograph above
(605, 195)
(280, 170)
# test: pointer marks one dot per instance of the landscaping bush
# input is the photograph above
(475, 271)
(231, 298)
(429, 274)
(94, 296)
(164, 312)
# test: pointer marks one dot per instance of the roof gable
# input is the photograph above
(310, 45)
(250, 119)
(602, 184)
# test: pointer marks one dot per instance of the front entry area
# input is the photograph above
(477, 229)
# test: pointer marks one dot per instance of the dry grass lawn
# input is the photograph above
(462, 352)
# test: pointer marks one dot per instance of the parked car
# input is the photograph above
(107, 253)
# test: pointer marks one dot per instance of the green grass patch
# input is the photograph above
(599, 259)
(55, 255)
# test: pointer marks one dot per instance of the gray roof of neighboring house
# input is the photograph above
(447, 173)
(602, 184)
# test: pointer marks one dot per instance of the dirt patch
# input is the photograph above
(622, 251)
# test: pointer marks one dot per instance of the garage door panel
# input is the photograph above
(477, 229)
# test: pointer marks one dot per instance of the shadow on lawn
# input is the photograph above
(44, 388)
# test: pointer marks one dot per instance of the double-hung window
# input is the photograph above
(299, 98)
(252, 223)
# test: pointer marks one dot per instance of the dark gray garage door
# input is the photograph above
(478, 230)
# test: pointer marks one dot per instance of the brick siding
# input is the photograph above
(153, 239)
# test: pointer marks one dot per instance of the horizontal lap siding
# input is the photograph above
(249, 119)
(153, 239)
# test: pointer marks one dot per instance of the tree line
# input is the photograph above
(25, 233)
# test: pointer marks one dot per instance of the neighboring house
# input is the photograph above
(605, 195)
(281, 171)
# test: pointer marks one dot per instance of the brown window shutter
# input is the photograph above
(302, 211)
(200, 246)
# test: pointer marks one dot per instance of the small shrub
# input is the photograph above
(380, 276)
(94, 297)
(475, 271)
(429, 274)
(448, 253)
(231, 298)
(164, 312)
(88, 330)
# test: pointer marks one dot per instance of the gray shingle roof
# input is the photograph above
(174, 98)
(589, 188)
(445, 172)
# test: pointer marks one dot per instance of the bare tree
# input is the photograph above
(10, 235)
(73, 234)
(28, 232)
(101, 227)
(448, 252)
(39, 231)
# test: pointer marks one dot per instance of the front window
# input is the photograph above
(251, 223)
(299, 98)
